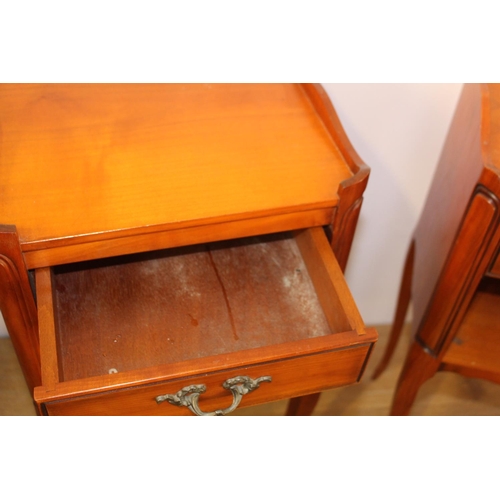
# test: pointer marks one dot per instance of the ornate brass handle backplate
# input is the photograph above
(188, 396)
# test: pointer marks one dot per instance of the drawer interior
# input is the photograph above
(133, 312)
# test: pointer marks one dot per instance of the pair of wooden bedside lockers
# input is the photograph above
(179, 249)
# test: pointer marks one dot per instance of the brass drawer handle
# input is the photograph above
(188, 396)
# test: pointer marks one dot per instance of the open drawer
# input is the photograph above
(202, 328)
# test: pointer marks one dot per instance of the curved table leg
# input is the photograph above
(418, 368)
(302, 406)
(401, 309)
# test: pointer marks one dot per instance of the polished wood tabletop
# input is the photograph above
(84, 164)
(95, 177)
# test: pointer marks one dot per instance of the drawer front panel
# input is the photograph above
(290, 378)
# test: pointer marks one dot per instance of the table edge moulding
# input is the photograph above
(96, 172)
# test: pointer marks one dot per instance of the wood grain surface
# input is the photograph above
(81, 163)
(184, 304)
(452, 250)
(475, 350)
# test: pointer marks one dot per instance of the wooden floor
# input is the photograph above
(445, 394)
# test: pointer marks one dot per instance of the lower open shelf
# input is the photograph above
(475, 350)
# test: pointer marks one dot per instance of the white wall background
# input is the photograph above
(398, 130)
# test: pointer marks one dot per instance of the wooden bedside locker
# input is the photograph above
(452, 269)
(178, 249)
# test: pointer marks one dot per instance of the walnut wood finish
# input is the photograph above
(453, 246)
(105, 171)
